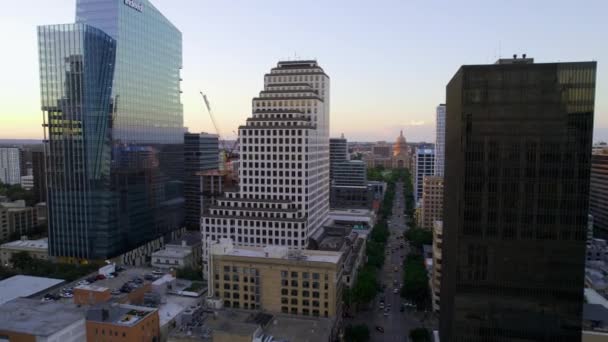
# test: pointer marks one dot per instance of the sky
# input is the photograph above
(389, 61)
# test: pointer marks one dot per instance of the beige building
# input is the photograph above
(436, 274)
(37, 249)
(275, 279)
(16, 217)
(431, 205)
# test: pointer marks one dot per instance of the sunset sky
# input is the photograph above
(389, 61)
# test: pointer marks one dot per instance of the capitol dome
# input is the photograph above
(400, 145)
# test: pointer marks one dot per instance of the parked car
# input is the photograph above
(100, 277)
(379, 329)
(395, 290)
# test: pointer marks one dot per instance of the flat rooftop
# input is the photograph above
(299, 329)
(173, 306)
(42, 244)
(24, 286)
(119, 314)
(171, 253)
(30, 316)
(269, 253)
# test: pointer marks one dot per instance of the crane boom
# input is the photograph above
(217, 130)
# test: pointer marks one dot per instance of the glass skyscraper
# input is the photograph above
(141, 163)
(516, 200)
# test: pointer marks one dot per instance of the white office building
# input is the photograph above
(424, 165)
(10, 166)
(440, 141)
(283, 195)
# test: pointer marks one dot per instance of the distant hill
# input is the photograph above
(12, 142)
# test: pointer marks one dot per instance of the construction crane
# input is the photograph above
(228, 153)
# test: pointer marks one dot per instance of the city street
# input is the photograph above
(396, 324)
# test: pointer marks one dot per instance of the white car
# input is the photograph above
(83, 282)
(395, 290)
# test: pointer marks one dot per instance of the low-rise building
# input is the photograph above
(276, 279)
(231, 325)
(27, 182)
(122, 322)
(37, 249)
(16, 217)
(25, 286)
(185, 251)
(24, 319)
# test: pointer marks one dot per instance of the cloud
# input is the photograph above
(416, 123)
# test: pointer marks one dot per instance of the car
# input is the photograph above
(402, 308)
(385, 314)
(116, 292)
(91, 279)
(83, 282)
(100, 277)
(119, 268)
(395, 290)
(66, 295)
(389, 305)
(379, 329)
(381, 307)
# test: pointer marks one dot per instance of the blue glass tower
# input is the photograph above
(144, 161)
(76, 70)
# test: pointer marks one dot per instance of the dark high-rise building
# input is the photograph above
(598, 197)
(39, 173)
(123, 186)
(517, 163)
(201, 153)
(348, 178)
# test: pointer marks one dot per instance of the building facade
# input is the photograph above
(283, 195)
(440, 140)
(424, 165)
(518, 142)
(598, 192)
(431, 205)
(37, 249)
(122, 322)
(39, 173)
(10, 165)
(437, 261)
(201, 153)
(274, 279)
(120, 144)
(16, 218)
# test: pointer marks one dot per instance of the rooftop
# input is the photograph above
(171, 253)
(226, 248)
(299, 329)
(191, 238)
(119, 314)
(32, 244)
(24, 286)
(29, 316)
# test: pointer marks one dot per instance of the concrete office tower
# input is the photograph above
(283, 196)
(598, 194)
(10, 165)
(431, 204)
(348, 178)
(518, 143)
(115, 152)
(440, 140)
(424, 165)
(338, 153)
(201, 153)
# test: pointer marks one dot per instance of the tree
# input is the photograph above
(21, 260)
(419, 236)
(356, 333)
(415, 280)
(420, 335)
(189, 273)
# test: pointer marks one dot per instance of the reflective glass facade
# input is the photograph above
(76, 70)
(517, 166)
(145, 163)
